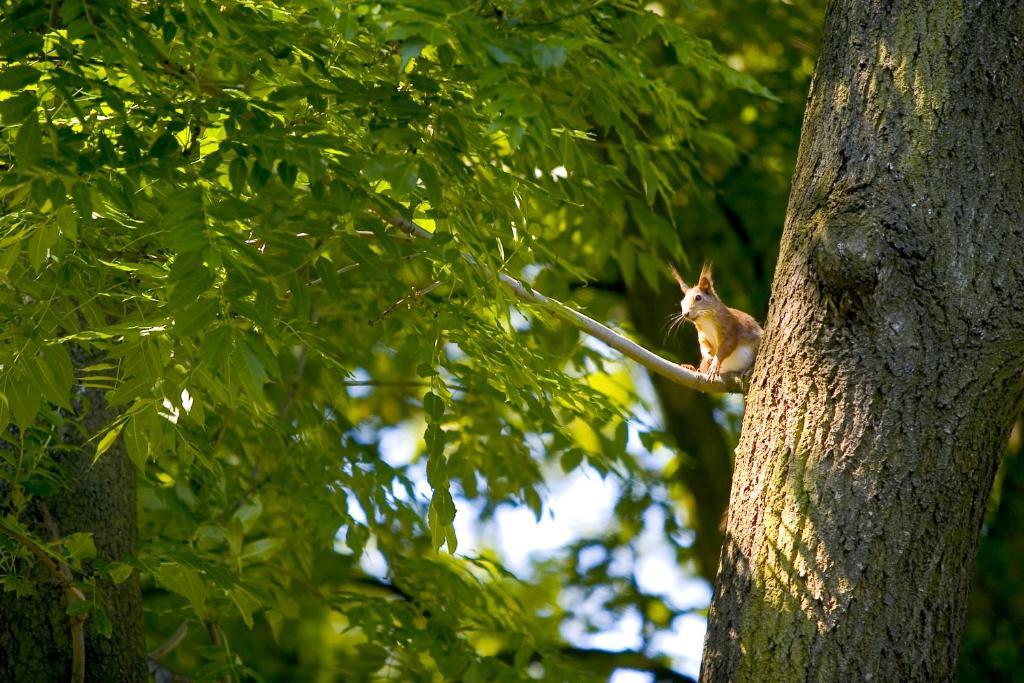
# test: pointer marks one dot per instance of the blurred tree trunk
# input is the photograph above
(690, 419)
(891, 369)
(993, 644)
(35, 630)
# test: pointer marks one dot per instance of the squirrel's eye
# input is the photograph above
(697, 298)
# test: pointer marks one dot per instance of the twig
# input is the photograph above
(217, 640)
(162, 674)
(397, 383)
(416, 294)
(612, 660)
(62, 573)
(172, 642)
(74, 596)
(686, 377)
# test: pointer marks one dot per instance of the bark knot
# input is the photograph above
(846, 248)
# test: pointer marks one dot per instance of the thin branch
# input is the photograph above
(162, 674)
(612, 660)
(172, 642)
(416, 294)
(73, 596)
(38, 551)
(397, 383)
(683, 375)
(217, 640)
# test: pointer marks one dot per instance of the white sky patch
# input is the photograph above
(559, 172)
(398, 445)
(453, 351)
(631, 676)
(519, 321)
(372, 561)
(683, 643)
(617, 634)
(657, 570)
(590, 557)
(531, 271)
(579, 505)
(170, 411)
(359, 375)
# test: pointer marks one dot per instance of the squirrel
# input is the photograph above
(728, 338)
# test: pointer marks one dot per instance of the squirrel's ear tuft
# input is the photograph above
(679, 278)
(705, 282)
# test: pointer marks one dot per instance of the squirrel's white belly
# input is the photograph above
(739, 360)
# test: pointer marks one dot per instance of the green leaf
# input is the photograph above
(196, 316)
(101, 622)
(216, 346)
(548, 56)
(21, 45)
(119, 572)
(28, 143)
(437, 465)
(189, 281)
(23, 395)
(261, 550)
(18, 76)
(44, 237)
(440, 516)
(80, 546)
(186, 582)
(248, 513)
(246, 604)
(67, 222)
(287, 173)
(52, 370)
(163, 146)
(433, 406)
(275, 620)
(249, 369)
(108, 440)
(571, 459)
(16, 109)
(238, 171)
(138, 438)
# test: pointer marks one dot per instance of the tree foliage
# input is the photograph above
(200, 192)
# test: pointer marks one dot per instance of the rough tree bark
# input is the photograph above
(35, 631)
(891, 368)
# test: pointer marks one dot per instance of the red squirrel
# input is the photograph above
(728, 337)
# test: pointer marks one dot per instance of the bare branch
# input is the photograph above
(683, 375)
(73, 596)
(172, 642)
(612, 660)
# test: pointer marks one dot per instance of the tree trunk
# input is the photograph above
(35, 631)
(891, 368)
